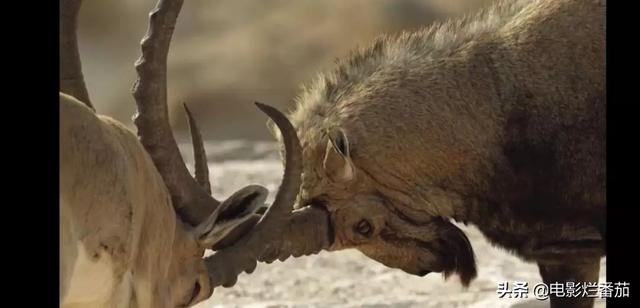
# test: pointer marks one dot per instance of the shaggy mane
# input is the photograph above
(439, 40)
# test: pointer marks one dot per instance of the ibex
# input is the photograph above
(496, 119)
(134, 224)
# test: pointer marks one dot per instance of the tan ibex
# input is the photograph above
(134, 224)
(496, 119)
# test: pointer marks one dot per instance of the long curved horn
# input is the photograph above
(280, 233)
(199, 153)
(71, 78)
(291, 180)
(191, 201)
(265, 241)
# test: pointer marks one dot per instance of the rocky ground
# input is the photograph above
(348, 278)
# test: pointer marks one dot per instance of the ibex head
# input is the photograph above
(187, 272)
(369, 212)
(230, 226)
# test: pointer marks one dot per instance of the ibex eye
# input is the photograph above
(364, 227)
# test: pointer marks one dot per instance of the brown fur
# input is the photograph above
(496, 119)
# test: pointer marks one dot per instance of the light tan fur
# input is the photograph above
(121, 244)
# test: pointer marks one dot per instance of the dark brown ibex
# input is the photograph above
(496, 119)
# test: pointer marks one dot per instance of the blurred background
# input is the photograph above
(226, 54)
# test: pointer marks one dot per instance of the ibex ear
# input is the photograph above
(230, 214)
(337, 159)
